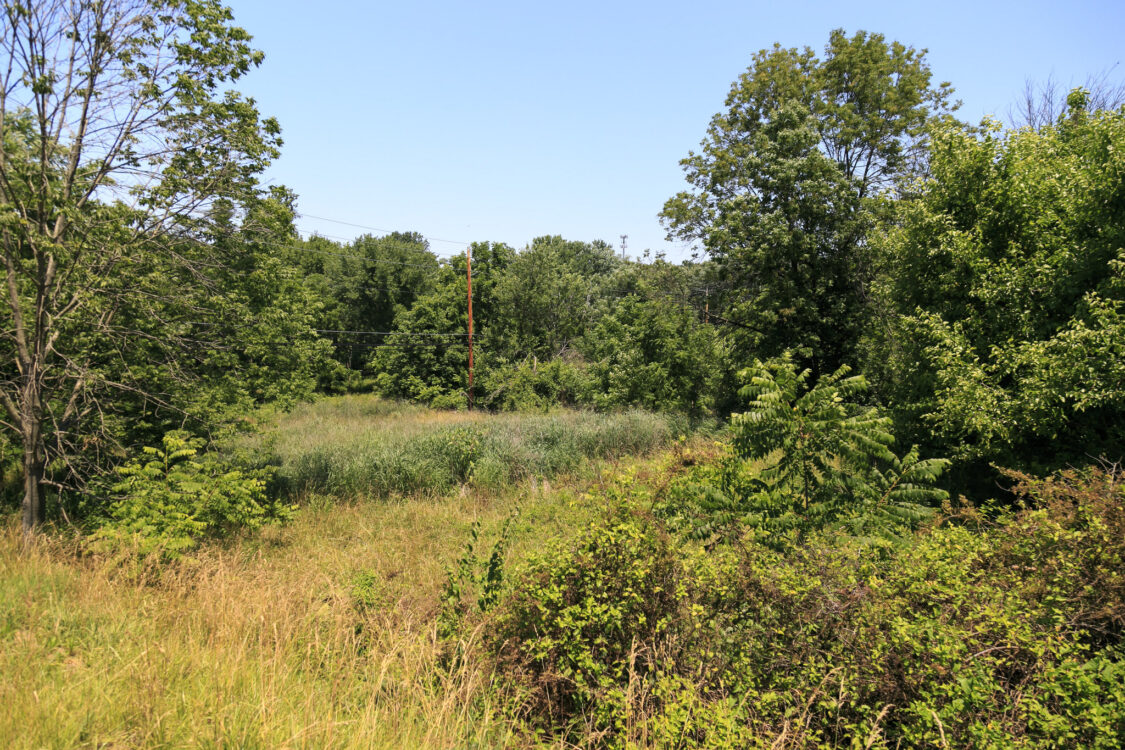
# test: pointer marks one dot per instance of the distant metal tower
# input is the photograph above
(623, 238)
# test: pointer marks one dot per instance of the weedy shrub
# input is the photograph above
(169, 501)
(979, 633)
(474, 579)
(806, 457)
(586, 623)
(1074, 536)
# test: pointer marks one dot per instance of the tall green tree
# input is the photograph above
(653, 351)
(1001, 327)
(427, 357)
(548, 296)
(787, 181)
(371, 281)
(117, 133)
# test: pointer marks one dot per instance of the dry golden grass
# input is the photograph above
(322, 634)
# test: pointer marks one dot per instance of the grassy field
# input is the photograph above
(320, 634)
(367, 446)
(998, 628)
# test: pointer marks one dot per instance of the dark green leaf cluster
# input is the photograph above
(805, 457)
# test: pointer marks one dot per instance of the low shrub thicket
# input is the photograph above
(176, 496)
(998, 633)
(531, 386)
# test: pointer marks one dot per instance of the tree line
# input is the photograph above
(842, 214)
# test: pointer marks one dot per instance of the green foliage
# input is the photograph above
(458, 448)
(1002, 633)
(547, 297)
(534, 386)
(822, 441)
(899, 495)
(1002, 295)
(432, 368)
(787, 183)
(654, 354)
(473, 578)
(364, 285)
(806, 457)
(176, 497)
(558, 324)
(585, 621)
(363, 445)
(108, 271)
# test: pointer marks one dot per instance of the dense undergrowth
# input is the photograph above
(319, 633)
(580, 609)
(996, 631)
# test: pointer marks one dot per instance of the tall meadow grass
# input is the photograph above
(360, 445)
(324, 637)
(320, 634)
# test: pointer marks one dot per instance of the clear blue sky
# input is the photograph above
(505, 121)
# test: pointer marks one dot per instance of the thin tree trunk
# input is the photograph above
(33, 468)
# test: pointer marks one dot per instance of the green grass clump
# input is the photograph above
(363, 445)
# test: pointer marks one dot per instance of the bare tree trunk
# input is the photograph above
(33, 466)
(34, 451)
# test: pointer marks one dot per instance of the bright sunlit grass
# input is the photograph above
(364, 445)
(320, 634)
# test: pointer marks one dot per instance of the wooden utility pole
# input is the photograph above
(469, 276)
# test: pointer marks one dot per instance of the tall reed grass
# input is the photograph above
(363, 445)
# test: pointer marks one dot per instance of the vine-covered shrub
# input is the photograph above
(176, 496)
(982, 632)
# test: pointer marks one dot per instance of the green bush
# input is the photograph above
(534, 386)
(805, 457)
(176, 497)
(1000, 296)
(586, 622)
(474, 579)
(1001, 633)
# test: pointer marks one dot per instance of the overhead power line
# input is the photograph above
(256, 321)
(353, 256)
(388, 333)
(377, 229)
